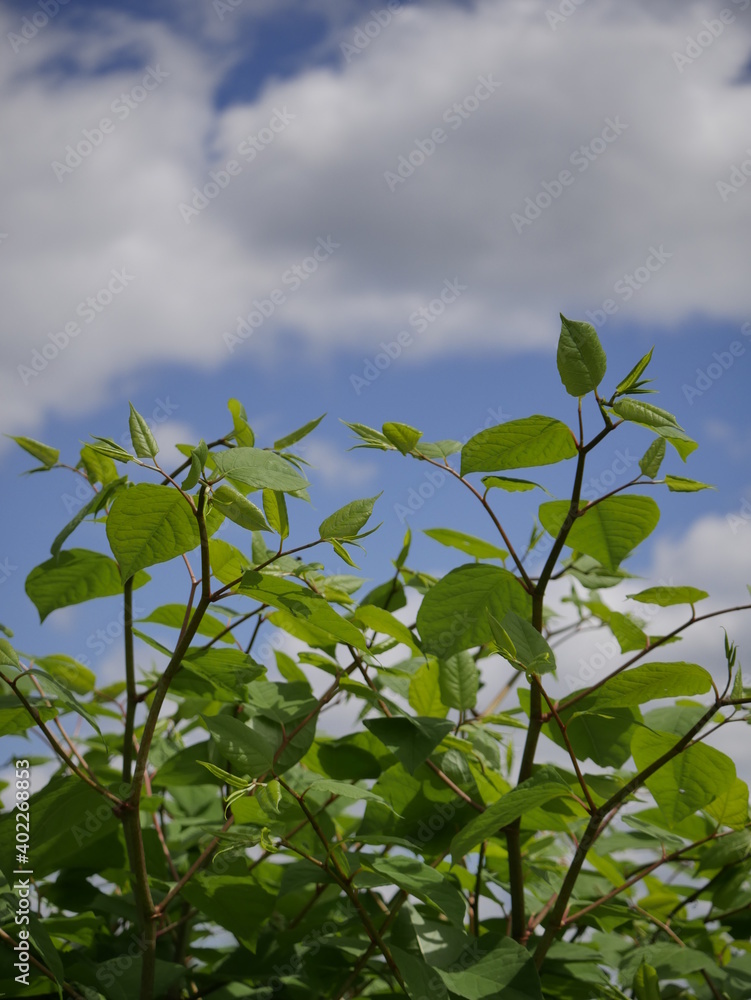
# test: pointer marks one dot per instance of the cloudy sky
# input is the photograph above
(377, 212)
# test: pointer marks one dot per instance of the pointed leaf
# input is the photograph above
(581, 359)
(511, 485)
(275, 508)
(239, 509)
(243, 434)
(74, 576)
(459, 681)
(259, 469)
(144, 442)
(97, 502)
(298, 435)
(248, 752)
(411, 739)
(42, 452)
(651, 460)
(659, 421)
(679, 484)
(634, 375)
(150, 524)
(609, 530)
(402, 436)
(466, 543)
(665, 597)
(348, 520)
(518, 444)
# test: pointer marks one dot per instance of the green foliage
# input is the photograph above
(203, 833)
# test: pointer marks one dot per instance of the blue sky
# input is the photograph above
(511, 152)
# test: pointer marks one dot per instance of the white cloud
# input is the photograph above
(654, 185)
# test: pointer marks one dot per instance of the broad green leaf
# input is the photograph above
(15, 720)
(421, 980)
(227, 670)
(459, 681)
(425, 691)
(73, 674)
(248, 752)
(259, 469)
(439, 449)
(665, 597)
(98, 468)
(348, 520)
(383, 622)
(243, 433)
(646, 983)
(518, 444)
(659, 421)
(454, 613)
(302, 603)
(651, 681)
(546, 784)
(511, 485)
(76, 575)
(502, 640)
(173, 616)
(344, 790)
(609, 530)
(602, 735)
(411, 739)
(144, 442)
(731, 808)
(729, 851)
(298, 435)
(419, 879)
(59, 692)
(506, 973)
(679, 484)
(239, 509)
(8, 655)
(239, 904)
(227, 562)
(150, 524)
(632, 379)
(686, 783)
(275, 508)
(531, 648)
(651, 460)
(42, 452)
(284, 703)
(465, 543)
(94, 505)
(581, 358)
(402, 436)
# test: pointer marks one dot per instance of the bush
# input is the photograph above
(202, 836)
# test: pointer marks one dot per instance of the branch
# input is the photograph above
(130, 680)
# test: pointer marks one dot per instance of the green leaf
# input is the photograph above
(58, 692)
(507, 972)
(224, 776)
(502, 640)
(111, 449)
(302, 603)
(46, 455)
(651, 460)
(150, 524)
(370, 436)
(94, 505)
(518, 444)
(651, 681)
(420, 880)
(173, 616)
(344, 790)
(239, 904)
(72, 673)
(348, 520)
(76, 575)
(8, 655)
(731, 808)
(646, 983)
(198, 458)
(511, 485)
(275, 508)
(608, 530)
(439, 449)
(15, 720)
(657, 420)
(298, 435)
(239, 509)
(248, 752)
(459, 681)
(679, 484)
(454, 613)
(425, 691)
(546, 784)
(98, 468)
(259, 469)
(632, 379)
(402, 436)
(531, 648)
(665, 597)
(243, 433)
(412, 739)
(581, 358)
(144, 442)
(382, 621)
(686, 783)
(421, 980)
(465, 543)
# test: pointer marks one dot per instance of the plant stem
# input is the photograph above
(130, 681)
